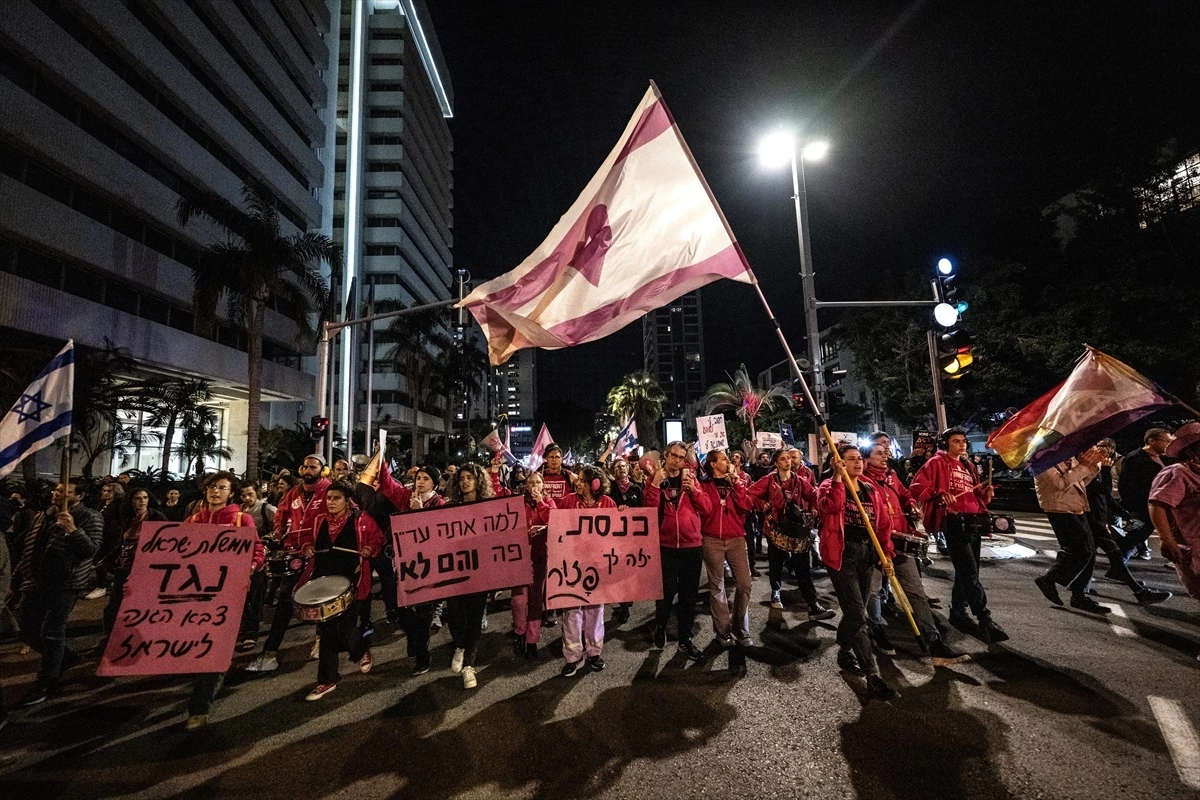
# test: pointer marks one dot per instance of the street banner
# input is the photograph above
(786, 433)
(924, 443)
(711, 430)
(183, 600)
(602, 555)
(454, 550)
(766, 440)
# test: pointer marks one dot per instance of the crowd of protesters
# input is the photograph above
(715, 512)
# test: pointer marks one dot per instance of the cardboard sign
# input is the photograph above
(183, 600)
(602, 555)
(765, 440)
(454, 550)
(711, 430)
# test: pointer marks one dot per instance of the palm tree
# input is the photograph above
(741, 396)
(463, 371)
(639, 397)
(420, 343)
(201, 440)
(176, 403)
(255, 264)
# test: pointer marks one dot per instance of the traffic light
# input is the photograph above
(954, 354)
(797, 394)
(318, 428)
(949, 308)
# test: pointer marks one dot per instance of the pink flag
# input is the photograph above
(645, 230)
(539, 447)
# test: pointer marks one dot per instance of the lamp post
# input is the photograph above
(776, 150)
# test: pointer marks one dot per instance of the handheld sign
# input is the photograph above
(183, 600)
(711, 430)
(455, 550)
(765, 440)
(602, 555)
(787, 434)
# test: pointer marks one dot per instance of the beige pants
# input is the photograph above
(716, 552)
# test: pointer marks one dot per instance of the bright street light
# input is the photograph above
(945, 266)
(776, 150)
(945, 314)
(814, 151)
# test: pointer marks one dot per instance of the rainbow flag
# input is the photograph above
(1099, 397)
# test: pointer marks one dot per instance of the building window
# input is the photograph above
(383, 222)
(386, 113)
(380, 86)
(383, 166)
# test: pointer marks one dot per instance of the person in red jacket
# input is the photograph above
(723, 529)
(342, 543)
(949, 490)
(528, 601)
(557, 478)
(851, 559)
(673, 491)
(298, 510)
(583, 627)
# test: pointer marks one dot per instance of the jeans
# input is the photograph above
(680, 576)
(338, 634)
(716, 552)
(1077, 551)
(968, 591)
(852, 584)
(44, 615)
(778, 558)
(283, 614)
(466, 620)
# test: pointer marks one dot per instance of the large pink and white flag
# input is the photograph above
(537, 455)
(645, 230)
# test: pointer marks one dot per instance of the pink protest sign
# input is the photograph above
(453, 550)
(602, 555)
(183, 600)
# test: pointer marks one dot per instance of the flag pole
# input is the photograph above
(818, 418)
(64, 472)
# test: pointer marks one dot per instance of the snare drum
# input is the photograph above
(285, 563)
(969, 524)
(912, 545)
(323, 598)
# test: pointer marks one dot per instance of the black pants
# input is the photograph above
(754, 534)
(1077, 551)
(968, 591)
(252, 610)
(415, 621)
(1106, 541)
(466, 621)
(778, 558)
(44, 616)
(852, 584)
(383, 566)
(337, 635)
(680, 576)
(283, 614)
(113, 607)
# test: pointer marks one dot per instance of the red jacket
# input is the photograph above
(232, 515)
(294, 515)
(902, 502)
(538, 515)
(932, 479)
(728, 520)
(678, 525)
(573, 501)
(832, 500)
(768, 489)
(368, 536)
(498, 487)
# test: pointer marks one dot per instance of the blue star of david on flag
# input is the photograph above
(30, 407)
(43, 413)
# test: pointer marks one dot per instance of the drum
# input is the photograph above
(284, 563)
(969, 524)
(912, 545)
(1004, 523)
(323, 598)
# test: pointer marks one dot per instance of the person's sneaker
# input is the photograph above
(1046, 586)
(1144, 554)
(726, 640)
(263, 663)
(877, 689)
(660, 637)
(435, 623)
(392, 616)
(992, 632)
(776, 600)
(245, 646)
(962, 621)
(421, 665)
(96, 594)
(35, 696)
(620, 615)
(1085, 603)
(195, 721)
(550, 620)
(456, 660)
(530, 651)
(368, 630)
(880, 640)
(1148, 596)
(321, 690)
(364, 663)
(469, 681)
(943, 656)
(571, 669)
(745, 641)
(848, 662)
(816, 611)
(315, 653)
(690, 651)
(483, 624)
(596, 664)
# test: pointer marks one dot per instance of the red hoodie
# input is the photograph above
(232, 515)
(945, 473)
(832, 501)
(724, 518)
(679, 523)
(574, 501)
(295, 514)
(369, 536)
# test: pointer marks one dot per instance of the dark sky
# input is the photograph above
(945, 119)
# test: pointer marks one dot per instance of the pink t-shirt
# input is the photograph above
(1178, 487)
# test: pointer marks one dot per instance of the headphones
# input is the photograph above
(943, 441)
(596, 485)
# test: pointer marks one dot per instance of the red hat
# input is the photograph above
(1185, 437)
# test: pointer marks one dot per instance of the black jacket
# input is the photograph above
(1137, 473)
(61, 561)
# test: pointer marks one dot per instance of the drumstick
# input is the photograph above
(345, 550)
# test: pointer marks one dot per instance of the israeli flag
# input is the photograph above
(627, 439)
(42, 414)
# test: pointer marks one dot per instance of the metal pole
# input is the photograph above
(323, 347)
(939, 407)
(369, 416)
(807, 283)
(871, 303)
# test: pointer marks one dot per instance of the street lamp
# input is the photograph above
(775, 151)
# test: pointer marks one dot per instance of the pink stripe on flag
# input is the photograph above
(654, 121)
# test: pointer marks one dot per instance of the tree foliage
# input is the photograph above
(638, 396)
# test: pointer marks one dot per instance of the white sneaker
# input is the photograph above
(96, 594)
(469, 681)
(263, 664)
(456, 661)
(315, 653)
(776, 601)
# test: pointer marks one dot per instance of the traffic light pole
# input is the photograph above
(939, 406)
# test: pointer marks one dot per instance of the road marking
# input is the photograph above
(1180, 737)
(1119, 613)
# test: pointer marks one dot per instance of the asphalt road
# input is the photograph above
(1074, 706)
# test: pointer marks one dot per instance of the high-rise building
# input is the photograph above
(113, 110)
(673, 341)
(517, 385)
(390, 195)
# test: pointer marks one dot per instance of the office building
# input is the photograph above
(673, 342)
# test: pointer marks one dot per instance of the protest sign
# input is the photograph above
(183, 600)
(787, 434)
(602, 555)
(765, 440)
(924, 443)
(711, 430)
(454, 550)
(844, 437)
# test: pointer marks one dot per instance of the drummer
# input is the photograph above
(342, 543)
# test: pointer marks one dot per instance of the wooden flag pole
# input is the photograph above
(64, 472)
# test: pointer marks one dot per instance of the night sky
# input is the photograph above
(945, 119)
